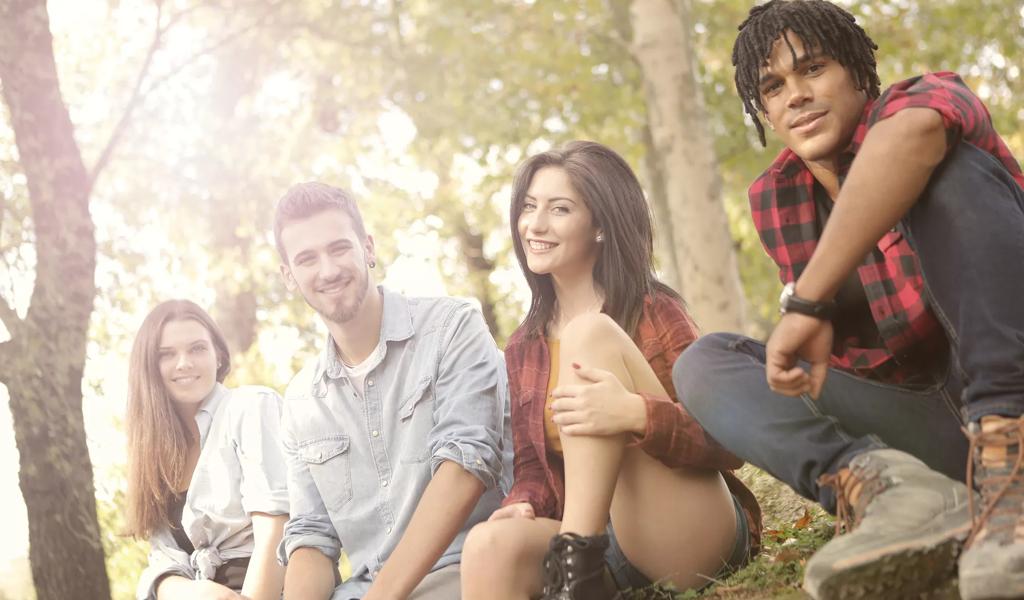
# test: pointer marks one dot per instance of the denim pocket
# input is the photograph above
(327, 459)
(416, 415)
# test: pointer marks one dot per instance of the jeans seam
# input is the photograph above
(927, 391)
(811, 405)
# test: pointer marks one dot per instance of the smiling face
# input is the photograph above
(187, 360)
(556, 227)
(813, 105)
(328, 264)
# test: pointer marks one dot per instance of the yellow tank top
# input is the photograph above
(550, 429)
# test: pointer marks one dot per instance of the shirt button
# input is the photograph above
(384, 483)
(369, 382)
(479, 462)
(389, 531)
(375, 433)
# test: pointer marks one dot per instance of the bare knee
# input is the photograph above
(592, 332)
(500, 560)
(591, 327)
(491, 549)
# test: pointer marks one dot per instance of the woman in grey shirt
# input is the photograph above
(206, 478)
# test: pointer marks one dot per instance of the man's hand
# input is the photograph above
(602, 406)
(519, 510)
(798, 337)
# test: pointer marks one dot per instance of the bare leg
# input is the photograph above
(502, 560)
(591, 462)
(673, 524)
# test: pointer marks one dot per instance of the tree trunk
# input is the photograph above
(704, 250)
(42, 363)
(664, 240)
(236, 304)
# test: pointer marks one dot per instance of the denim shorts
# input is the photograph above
(627, 577)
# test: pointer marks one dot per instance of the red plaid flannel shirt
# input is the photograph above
(672, 435)
(782, 205)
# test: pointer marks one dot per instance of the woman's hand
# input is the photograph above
(519, 510)
(602, 406)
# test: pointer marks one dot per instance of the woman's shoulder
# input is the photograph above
(664, 302)
(252, 400)
(518, 338)
(665, 312)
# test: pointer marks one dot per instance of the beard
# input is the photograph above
(345, 311)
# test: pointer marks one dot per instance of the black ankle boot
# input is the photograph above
(574, 568)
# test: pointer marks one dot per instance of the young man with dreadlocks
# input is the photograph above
(896, 221)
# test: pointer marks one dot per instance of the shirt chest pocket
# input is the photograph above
(416, 420)
(328, 461)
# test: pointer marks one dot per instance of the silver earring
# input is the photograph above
(373, 264)
(599, 238)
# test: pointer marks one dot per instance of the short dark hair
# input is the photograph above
(303, 200)
(624, 270)
(819, 24)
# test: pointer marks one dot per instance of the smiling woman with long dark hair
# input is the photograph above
(206, 478)
(615, 485)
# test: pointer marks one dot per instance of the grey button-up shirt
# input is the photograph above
(240, 471)
(358, 463)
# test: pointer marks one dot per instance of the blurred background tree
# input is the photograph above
(201, 113)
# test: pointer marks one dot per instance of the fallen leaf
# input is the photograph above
(803, 521)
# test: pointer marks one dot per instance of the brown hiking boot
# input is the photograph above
(905, 524)
(992, 565)
(574, 568)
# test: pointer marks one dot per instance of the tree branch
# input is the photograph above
(133, 101)
(227, 39)
(140, 92)
(10, 318)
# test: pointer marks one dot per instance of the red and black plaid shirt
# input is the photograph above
(672, 436)
(783, 208)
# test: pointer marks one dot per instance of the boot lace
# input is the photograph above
(861, 482)
(1002, 486)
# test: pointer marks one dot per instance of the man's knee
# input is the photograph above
(966, 176)
(693, 372)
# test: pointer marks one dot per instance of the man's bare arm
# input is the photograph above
(310, 574)
(889, 173)
(447, 502)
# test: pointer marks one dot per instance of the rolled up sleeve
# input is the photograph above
(309, 525)
(264, 486)
(470, 398)
(165, 558)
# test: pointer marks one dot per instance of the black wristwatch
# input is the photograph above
(790, 302)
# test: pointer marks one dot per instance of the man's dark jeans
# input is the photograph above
(968, 233)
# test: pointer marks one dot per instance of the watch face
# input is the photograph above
(787, 291)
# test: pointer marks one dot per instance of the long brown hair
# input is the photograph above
(158, 439)
(624, 270)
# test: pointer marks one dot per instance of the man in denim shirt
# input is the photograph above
(395, 436)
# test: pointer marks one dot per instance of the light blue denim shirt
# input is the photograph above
(240, 471)
(359, 463)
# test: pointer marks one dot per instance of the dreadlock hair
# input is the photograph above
(821, 25)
